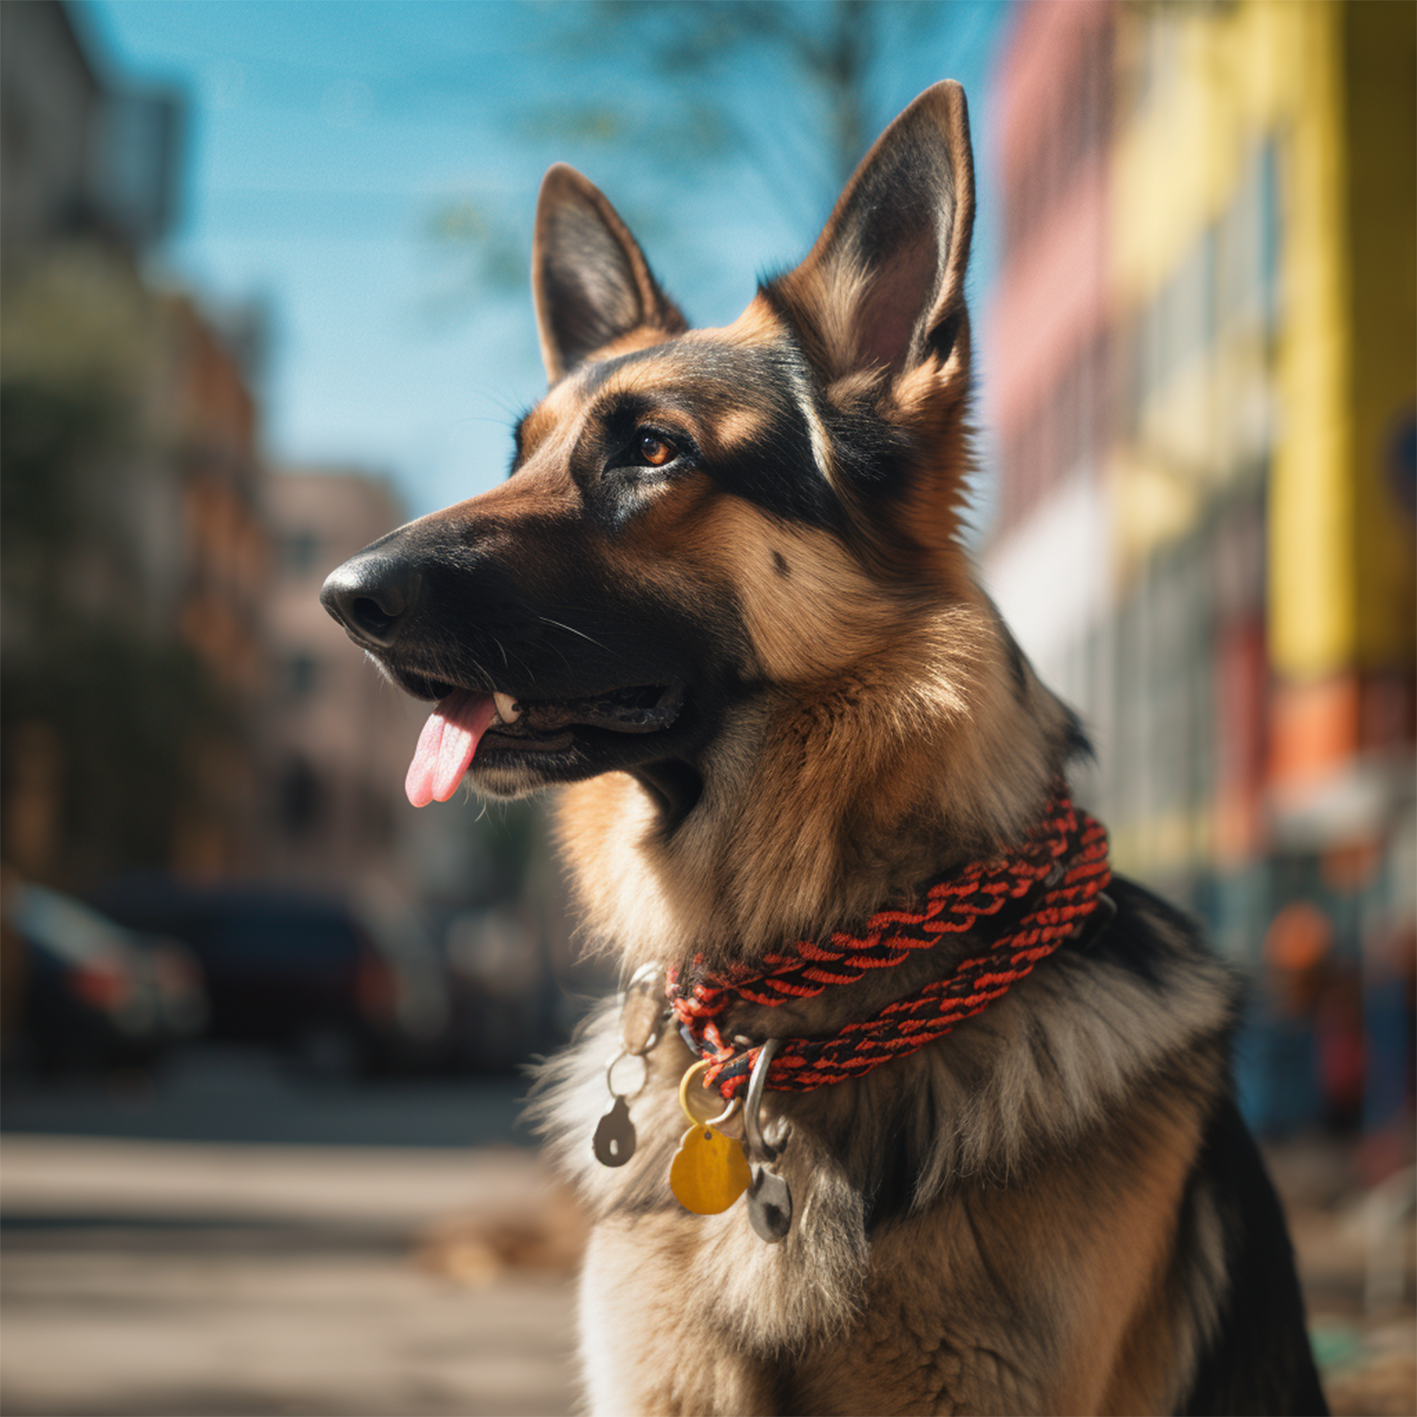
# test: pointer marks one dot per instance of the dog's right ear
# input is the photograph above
(589, 278)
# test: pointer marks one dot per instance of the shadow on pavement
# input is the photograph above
(230, 1094)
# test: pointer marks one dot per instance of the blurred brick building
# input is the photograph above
(1206, 332)
(211, 435)
(133, 519)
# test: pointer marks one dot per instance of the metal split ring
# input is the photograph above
(722, 1117)
(620, 1058)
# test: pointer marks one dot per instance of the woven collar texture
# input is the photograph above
(1025, 903)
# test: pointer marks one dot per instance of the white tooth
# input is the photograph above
(508, 709)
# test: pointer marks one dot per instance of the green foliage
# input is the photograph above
(87, 657)
(46, 433)
(127, 713)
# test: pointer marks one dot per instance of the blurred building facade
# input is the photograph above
(82, 155)
(1051, 323)
(340, 737)
(133, 518)
(1206, 537)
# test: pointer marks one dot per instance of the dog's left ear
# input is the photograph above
(589, 278)
(883, 288)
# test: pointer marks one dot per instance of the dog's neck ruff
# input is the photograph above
(1034, 898)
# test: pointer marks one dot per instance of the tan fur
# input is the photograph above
(939, 1275)
(734, 427)
(552, 416)
(758, 325)
(921, 744)
(643, 337)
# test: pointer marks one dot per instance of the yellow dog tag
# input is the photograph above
(709, 1171)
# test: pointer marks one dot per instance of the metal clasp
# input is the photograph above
(757, 1082)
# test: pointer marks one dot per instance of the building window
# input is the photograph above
(302, 675)
(1248, 243)
(1271, 232)
(303, 799)
(301, 550)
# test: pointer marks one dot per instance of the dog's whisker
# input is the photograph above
(572, 630)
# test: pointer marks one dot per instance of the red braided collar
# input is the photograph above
(1056, 876)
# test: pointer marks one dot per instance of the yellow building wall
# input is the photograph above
(1312, 602)
(1332, 83)
(1381, 100)
(1231, 76)
(1341, 545)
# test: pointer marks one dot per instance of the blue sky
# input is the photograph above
(326, 137)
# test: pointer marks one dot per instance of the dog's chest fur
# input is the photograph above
(1006, 1221)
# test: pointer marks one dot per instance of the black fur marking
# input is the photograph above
(779, 562)
(941, 340)
(871, 453)
(1259, 1360)
(778, 472)
(1133, 942)
(1076, 742)
(1017, 667)
(675, 787)
(890, 1192)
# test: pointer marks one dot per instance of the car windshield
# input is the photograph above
(64, 926)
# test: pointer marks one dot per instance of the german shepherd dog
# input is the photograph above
(721, 602)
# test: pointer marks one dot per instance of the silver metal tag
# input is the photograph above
(614, 1142)
(769, 1206)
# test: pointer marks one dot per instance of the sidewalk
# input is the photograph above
(1365, 1343)
(165, 1278)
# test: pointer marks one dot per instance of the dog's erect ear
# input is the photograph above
(883, 288)
(589, 278)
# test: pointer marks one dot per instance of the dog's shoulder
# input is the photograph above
(1257, 1357)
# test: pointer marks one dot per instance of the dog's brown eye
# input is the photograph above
(655, 451)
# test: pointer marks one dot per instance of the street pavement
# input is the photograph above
(243, 1273)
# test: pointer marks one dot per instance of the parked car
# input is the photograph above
(96, 993)
(300, 970)
(503, 996)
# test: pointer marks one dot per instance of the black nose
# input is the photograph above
(371, 595)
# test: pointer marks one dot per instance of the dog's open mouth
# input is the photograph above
(466, 719)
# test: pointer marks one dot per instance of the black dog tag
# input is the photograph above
(614, 1142)
(769, 1206)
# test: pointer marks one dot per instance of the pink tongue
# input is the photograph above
(446, 746)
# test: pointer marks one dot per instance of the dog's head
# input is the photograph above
(693, 517)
